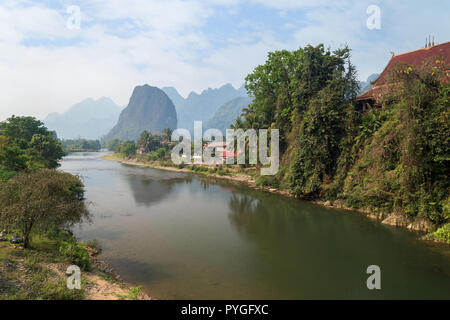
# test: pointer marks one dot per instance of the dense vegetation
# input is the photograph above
(80, 145)
(34, 197)
(26, 144)
(41, 204)
(393, 159)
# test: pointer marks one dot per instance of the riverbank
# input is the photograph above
(39, 273)
(426, 229)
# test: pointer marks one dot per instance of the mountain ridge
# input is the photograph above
(89, 119)
(202, 106)
(149, 109)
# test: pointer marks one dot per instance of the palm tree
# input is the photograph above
(166, 134)
(145, 140)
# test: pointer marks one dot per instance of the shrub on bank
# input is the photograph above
(77, 254)
(267, 181)
(442, 234)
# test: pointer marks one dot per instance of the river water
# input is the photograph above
(183, 236)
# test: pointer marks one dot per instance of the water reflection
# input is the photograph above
(150, 188)
(184, 236)
(147, 191)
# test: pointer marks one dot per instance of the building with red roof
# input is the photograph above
(437, 55)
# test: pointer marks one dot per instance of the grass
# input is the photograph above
(26, 274)
(114, 157)
(132, 294)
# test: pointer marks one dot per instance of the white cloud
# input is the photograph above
(45, 67)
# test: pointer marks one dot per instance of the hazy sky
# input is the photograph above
(47, 64)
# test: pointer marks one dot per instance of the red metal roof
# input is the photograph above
(414, 58)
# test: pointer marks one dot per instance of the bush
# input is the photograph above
(441, 234)
(77, 254)
(267, 181)
(160, 153)
(223, 172)
(6, 174)
(199, 168)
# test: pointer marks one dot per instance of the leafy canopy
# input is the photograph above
(25, 143)
(41, 200)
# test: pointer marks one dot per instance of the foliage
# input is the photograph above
(132, 294)
(80, 145)
(26, 144)
(148, 141)
(442, 234)
(394, 158)
(113, 145)
(33, 275)
(41, 200)
(77, 254)
(166, 134)
(128, 148)
(286, 83)
(404, 163)
(267, 181)
(199, 168)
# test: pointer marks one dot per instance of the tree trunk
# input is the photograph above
(26, 241)
(26, 237)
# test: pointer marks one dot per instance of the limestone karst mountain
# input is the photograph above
(202, 106)
(149, 109)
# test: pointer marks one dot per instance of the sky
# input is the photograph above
(51, 57)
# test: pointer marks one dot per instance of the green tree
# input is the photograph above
(46, 149)
(41, 200)
(166, 134)
(114, 145)
(23, 128)
(321, 130)
(404, 164)
(128, 148)
(28, 144)
(148, 141)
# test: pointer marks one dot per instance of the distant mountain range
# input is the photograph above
(227, 114)
(155, 109)
(366, 85)
(149, 109)
(202, 106)
(89, 119)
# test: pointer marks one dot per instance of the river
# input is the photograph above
(184, 236)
